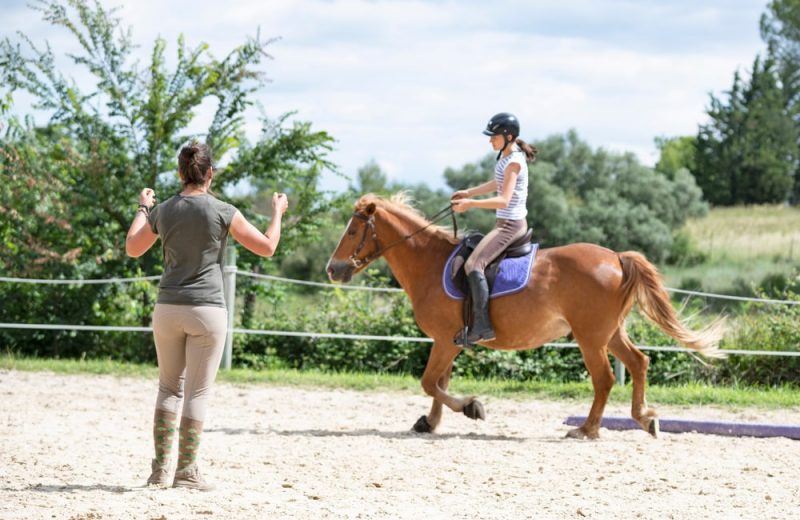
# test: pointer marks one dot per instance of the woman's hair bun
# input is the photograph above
(194, 162)
(189, 150)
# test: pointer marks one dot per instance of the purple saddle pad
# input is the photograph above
(512, 275)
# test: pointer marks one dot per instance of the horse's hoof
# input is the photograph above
(474, 410)
(422, 425)
(575, 433)
(654, 429)
(578, 433)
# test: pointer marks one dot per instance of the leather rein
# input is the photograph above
(370, 228)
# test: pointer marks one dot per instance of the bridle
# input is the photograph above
(369, 228)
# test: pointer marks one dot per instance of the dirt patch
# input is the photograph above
(79, 447)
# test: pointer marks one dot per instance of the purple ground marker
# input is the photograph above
(731, 429)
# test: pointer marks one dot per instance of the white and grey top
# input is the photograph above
(517, 208)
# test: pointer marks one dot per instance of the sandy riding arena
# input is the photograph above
(79, 447)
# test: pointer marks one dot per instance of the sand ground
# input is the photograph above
(79, 447)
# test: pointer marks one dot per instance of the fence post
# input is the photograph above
(229, 279)
(619, 372)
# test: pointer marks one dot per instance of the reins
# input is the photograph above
(370, 225)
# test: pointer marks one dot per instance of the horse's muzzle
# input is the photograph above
(340, 271)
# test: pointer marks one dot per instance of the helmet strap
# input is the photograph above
(507, 142)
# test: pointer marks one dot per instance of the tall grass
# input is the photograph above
(747, 233)
(743, 246)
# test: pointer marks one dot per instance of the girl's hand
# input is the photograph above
(147, 197)
(280, 203)
(460, 194)
(461, 205)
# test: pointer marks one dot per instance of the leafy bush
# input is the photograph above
(340, 312)
(766, 327)
(108, 304)
(684, 251)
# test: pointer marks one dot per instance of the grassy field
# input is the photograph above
(690, 394)
(748, 232)
(743, 245)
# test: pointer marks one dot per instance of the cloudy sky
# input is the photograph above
(411, 84)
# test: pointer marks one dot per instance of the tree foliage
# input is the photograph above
(747, 153)
(676, 153)
(70, 185)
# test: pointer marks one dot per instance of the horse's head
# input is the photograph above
(359, 244)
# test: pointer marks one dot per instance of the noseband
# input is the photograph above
(369, 228)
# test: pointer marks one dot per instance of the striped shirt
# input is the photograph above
(516, 209)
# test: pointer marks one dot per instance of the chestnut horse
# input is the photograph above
(583, 289)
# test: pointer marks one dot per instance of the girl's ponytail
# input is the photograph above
(529, 150)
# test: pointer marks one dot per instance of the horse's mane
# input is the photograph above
(401, 203)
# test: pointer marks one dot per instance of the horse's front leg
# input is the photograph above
(431, 422)
(435, 381)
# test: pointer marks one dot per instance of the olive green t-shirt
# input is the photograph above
(193, 231)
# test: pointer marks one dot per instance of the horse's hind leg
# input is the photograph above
(596, 361)
(636, 363)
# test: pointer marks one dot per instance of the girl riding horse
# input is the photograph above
(511, 184)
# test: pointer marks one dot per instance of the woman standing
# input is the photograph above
(190, 317)
(511, 184)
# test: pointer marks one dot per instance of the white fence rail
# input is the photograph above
(366, 337)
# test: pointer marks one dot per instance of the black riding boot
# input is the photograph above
(481, 329)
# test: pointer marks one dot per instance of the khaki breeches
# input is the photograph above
(189, 342)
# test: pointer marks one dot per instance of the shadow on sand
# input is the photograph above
(406, 435)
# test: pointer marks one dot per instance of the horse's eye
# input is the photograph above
(351, 232)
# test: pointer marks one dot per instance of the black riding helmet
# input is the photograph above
(503, 124)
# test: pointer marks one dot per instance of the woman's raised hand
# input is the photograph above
(460, 194)
(280, 203)
(147, 197)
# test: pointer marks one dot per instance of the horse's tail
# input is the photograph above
(641, 281)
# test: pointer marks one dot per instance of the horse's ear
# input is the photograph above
(369, 210)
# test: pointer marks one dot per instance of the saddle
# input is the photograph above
(519, 247)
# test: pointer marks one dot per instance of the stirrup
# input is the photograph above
(460, 339)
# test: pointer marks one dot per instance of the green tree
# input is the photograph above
(370, 178)
(780, 29)
(471, 174)
(676, 153)
(747, 153)
(73, 183)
